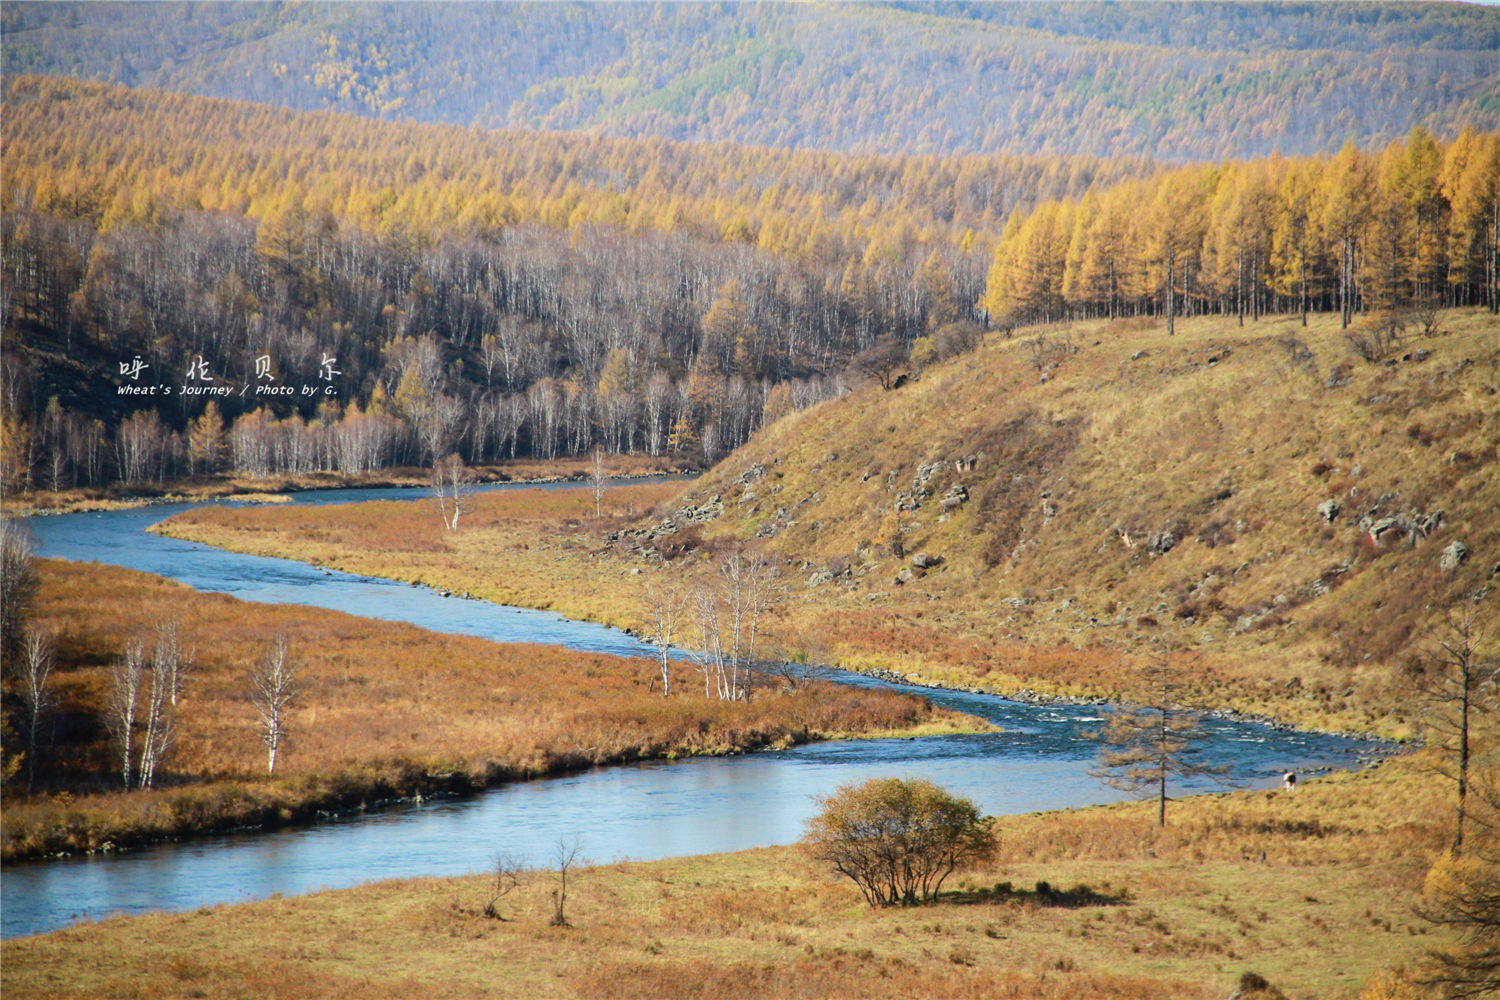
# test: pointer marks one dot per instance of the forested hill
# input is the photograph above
(516, 292)
(1192, 82)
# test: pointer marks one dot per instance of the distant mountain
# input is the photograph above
(1169, 81)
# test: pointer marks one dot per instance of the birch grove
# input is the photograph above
(729, 614)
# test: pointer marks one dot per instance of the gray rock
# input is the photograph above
(956, 496)
(1454, 556)
(905, 576)
(1328, 510)
(1385, 529)
(1163, 542)
(923, 561)
(1427, 523)
(714, 508)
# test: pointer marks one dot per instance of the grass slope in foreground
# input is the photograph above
(386, 709)
(1325, 912)
(1107, 480)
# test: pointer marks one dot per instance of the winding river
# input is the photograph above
(637, 811)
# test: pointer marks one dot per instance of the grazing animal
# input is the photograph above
(1289, 781)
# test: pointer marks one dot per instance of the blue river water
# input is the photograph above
(638, 811)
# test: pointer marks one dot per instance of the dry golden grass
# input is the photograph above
(1123, 447)
(387, 709)
(1326, 911)
(1134, 434)
(1231, 457)
(531, 548)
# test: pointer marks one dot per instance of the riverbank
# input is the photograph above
(548, 551)
(1310, 891)
(539, 549)
(274, 489)
(386, 711)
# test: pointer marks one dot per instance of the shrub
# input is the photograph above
(896, 839)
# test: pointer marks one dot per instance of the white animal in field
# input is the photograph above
(1289, 781)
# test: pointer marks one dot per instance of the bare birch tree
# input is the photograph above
(665, 607)
(729, 615)
(598, 479)
(175, 660)
(159, 715)
(452, 489)
(708, 645)
(273, 691)
(31, 672)
(439, 422)
(121, 706)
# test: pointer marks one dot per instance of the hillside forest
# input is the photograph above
(1181, 82)
(517, 293)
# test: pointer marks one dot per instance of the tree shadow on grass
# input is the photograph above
(1045, 894)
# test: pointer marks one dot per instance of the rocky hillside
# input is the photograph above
(1028, 514)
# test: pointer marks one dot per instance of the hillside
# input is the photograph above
(1074, 491)
(1076, 488)
(1209, 80)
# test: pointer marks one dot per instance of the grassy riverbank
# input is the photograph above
(1182, 912)
(1140, 482)
(530, 548)
(272, 488)
(386, 710)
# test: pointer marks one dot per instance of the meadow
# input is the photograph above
(1108, 482)
(1089, 903)
(385, 710)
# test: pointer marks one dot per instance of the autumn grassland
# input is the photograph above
(1132, 911)
(1104, 480)
(1105, 483)
(386, 710)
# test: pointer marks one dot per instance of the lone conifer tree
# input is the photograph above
(1142, 746)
